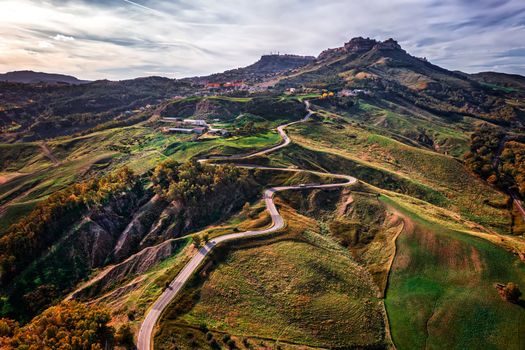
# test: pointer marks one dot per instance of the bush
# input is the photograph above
(196, 239)
(7, 327)
(231, 344)
(131, 315)
(124, 336)
(214, 345)
(511, 292)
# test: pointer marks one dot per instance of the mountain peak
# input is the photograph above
(361, 45)
(389, 44)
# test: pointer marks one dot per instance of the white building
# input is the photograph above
(180, 130)
(196, 122)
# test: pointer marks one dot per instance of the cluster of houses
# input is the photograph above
(192, 126)
(341, 93)
(233, 85)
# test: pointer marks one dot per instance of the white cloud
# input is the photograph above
(124, 39)
(60, 37)
(45, 44)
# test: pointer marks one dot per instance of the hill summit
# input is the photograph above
(31, 77)
(361, 45)
(266, 67)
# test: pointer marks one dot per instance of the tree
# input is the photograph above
(124, 336)
(231, 344)
(492, 179)
(7, 327)
(511, 292)
(246, 209)
(197, 241)
(69, 325)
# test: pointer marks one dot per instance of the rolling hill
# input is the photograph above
(30, 77)
(101, 205)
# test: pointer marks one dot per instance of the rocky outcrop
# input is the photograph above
(94, 239)
(389, 44)
(129, 240)
(360, 45)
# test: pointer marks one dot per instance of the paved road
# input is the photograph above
(145, 338)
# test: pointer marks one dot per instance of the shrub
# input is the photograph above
(124, 336)
(231, 344)
(131, 315)
(511, 292)
(196, 239)
(214, 345)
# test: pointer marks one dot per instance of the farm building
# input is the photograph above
(171, 120)
(199, 122)
(179, 130)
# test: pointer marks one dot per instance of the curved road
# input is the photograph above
(145, 338)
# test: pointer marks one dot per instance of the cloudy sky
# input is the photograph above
(118, 39)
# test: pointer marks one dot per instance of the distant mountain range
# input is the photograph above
(382, 67)
(30, 77)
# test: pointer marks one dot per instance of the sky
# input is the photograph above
(121, 39)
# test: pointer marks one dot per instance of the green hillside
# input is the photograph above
(103, 202)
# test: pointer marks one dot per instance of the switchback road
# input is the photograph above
(145, 338)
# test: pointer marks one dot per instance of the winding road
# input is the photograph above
(145, 338)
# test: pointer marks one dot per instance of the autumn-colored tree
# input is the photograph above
(492, 179)
(7, 327)
(69, 325)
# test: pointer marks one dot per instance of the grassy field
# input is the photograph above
(393, 120)
(29, 176)
(299, 288)
(453, 186)
(441, 290)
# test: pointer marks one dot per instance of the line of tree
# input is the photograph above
(205, 192)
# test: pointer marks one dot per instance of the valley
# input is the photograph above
(364, 198)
